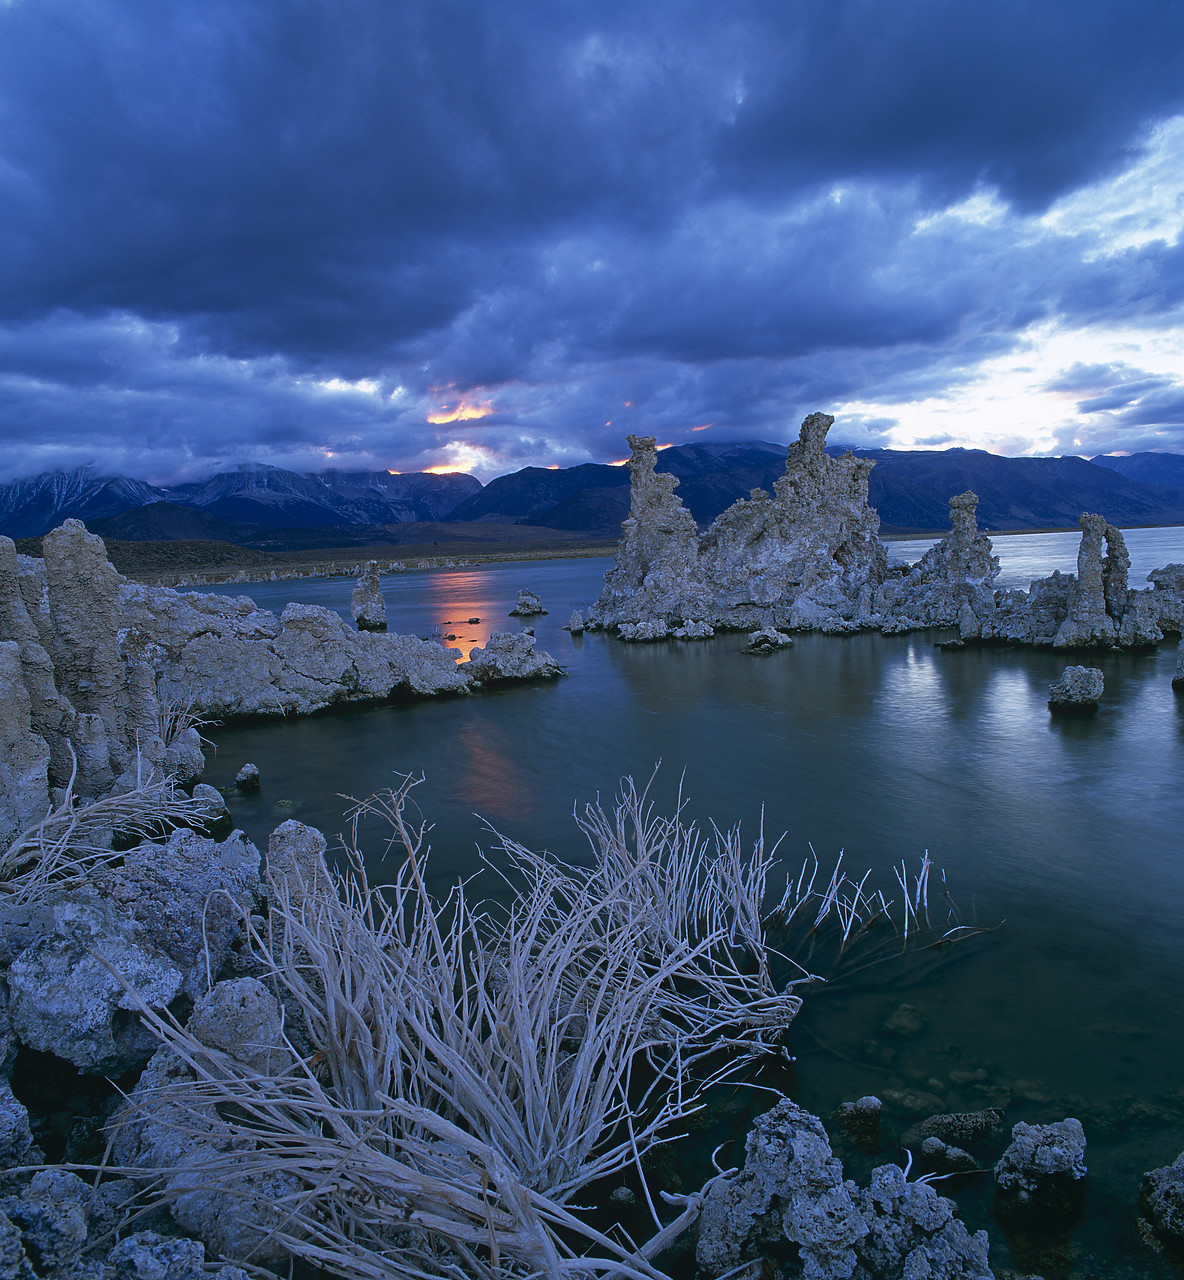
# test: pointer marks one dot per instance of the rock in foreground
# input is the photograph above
(791, 1199)
(1077, 691)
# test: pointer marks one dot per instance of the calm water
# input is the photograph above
(1069, 832)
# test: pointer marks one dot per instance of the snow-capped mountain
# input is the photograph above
(253, 494)
(31, 507)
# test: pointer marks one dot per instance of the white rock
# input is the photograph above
(1078, 689)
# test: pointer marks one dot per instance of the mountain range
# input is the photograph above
(264, 506)
(232, 506)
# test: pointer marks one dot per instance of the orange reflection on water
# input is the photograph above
(486, 759)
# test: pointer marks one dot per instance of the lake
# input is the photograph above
(1065, 833)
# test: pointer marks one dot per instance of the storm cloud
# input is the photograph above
(447, 233)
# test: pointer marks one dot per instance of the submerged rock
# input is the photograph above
(1077, 691)
(860, 1121)
(528, 605)
(1161, 1202)
(367, 606)
(1041, 1174)
(790, 1203)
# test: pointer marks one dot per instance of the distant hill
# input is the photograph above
(1147, 468)
(169, 522)
(910, 490)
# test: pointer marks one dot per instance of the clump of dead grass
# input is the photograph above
(475, 1067)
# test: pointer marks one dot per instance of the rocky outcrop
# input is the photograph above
(367, 606)
(528, 605)
(155, 928)
(1178, 677)
(1077, 691)
(1161, 1203)
(1041, 1174)
(1093, 609)
(510, 656)
(951, 585)
(807, 557)
(791, 1201)
(575, 624)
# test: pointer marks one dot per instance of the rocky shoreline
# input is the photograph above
(103, 681)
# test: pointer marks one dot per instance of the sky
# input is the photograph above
(464, 235)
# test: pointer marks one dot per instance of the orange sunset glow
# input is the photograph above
(464, 411)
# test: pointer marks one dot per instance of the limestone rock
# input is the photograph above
(226, 657)
(189, 898)
(693, 629)
(860, 1121)
(46, 1231)
(1161, 1202)
(528, 605)
(183, 759)
(161, 1136)
(791, 1187)
(953, 583)
(767, 640)
(1090, 624)
(85, 613)
(215, 820)
(1178, 677)
(1077, 691)
(24, 755)
(16, 1138)
(163, 922)
(147, 1255)
(1041, 1174)
(507, 656)
(242, 1018)
(807, 557)
(792, 1192)
(913, 1232)
(247, 778)
(575, 624)
(65, 1000)
(648, 629)
(296, 863)
(367, 606)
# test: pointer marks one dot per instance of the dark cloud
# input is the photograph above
(214, 218)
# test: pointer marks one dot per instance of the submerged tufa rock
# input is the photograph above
(791, 1200)
(1161, 1202)
(1041, 1174)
